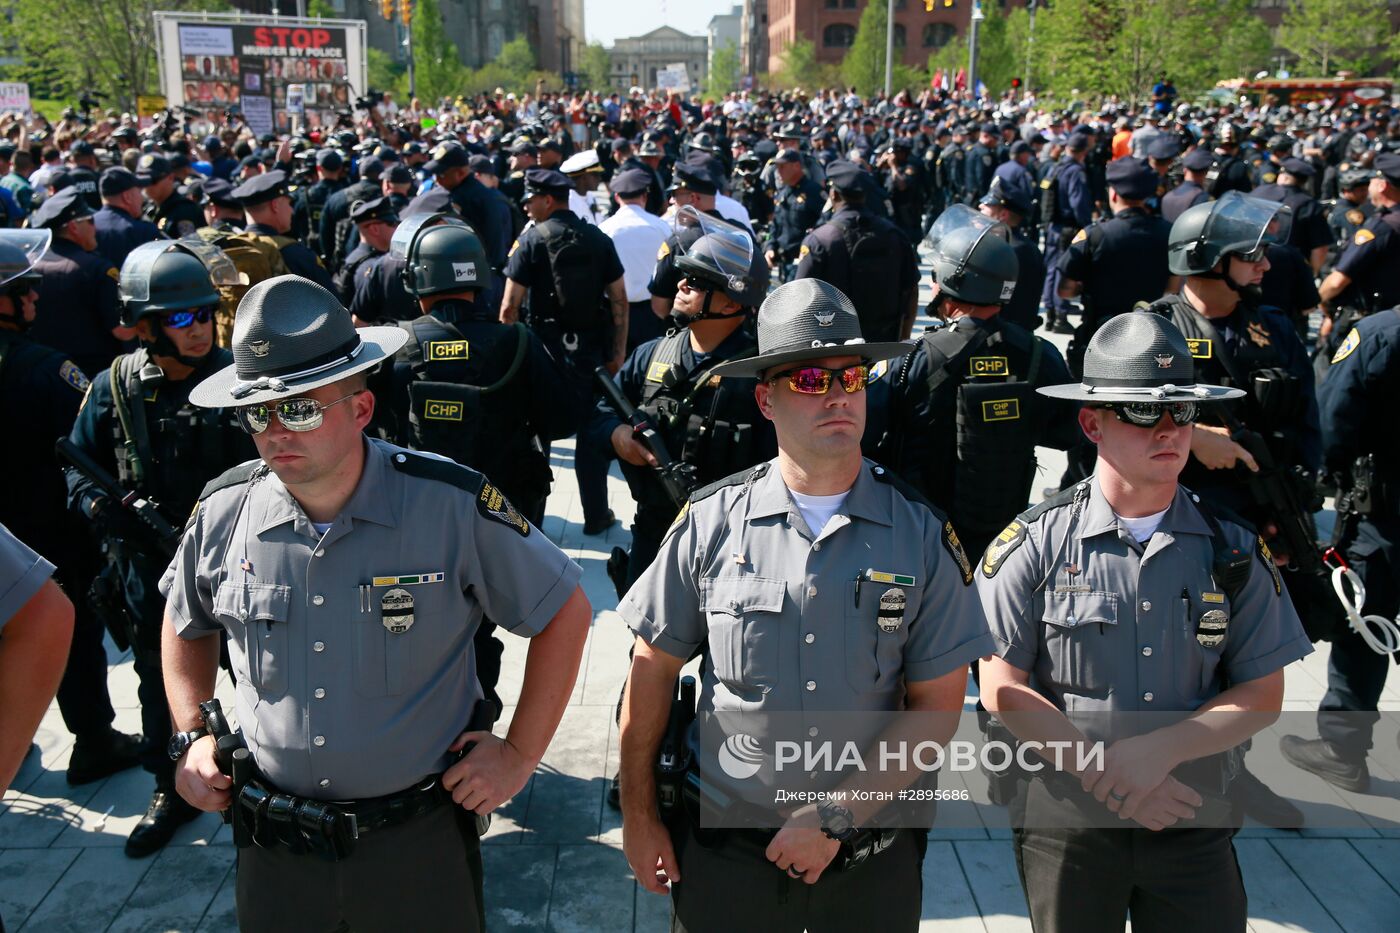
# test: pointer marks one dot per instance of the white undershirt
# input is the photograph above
(817, 510)
(1142, 528)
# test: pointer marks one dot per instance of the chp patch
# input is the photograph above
(1268, 558)
(955, 548)
(1201, 347)
(1348, 346)
(493, 504)
(1002, 545)
(437, 350)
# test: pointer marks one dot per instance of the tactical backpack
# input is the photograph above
(257, 257)
(875, 264)
(578, 284)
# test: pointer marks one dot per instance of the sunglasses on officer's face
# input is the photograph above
(1255, 255)
(1147, 414)
(296, 414)
(179, 320)
(816, 380)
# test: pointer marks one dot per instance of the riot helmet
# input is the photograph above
(441, 253)
(1205, 234)
(722, 259)
(973, 260)
(19, 251)
(164, 277)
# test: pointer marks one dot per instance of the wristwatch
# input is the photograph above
(837, 822)
(180, 742)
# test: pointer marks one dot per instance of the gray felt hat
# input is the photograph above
(808, 319)
(1139, 357)
(290, 335)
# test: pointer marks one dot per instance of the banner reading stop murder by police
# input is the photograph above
(223, 63)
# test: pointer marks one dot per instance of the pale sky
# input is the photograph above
(607, 20)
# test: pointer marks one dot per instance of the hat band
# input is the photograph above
(853, 343)
(1134, 387)
(1116, 383)
(277, 381)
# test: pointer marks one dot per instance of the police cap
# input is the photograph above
(1387, 166)
(59, 208)
(630, 182)
(1021, 147)
(373, 209)
(844, 176)
(371, 168)
(693, 177)
(262, 188)
(620, 145)
(1298, 168)
(7, 151)
(1131, 178)
(330, 160)
(446, 156)
(989, 128)
(479, 164)
(218, 191)
(649, 148)
(1078, 142)
(151, 168)
(546, 181)
(788, 156)
(81, 148)
(585, 161)
(115, 181)
(1198, 160)
(1163, 147)
(1001, 195)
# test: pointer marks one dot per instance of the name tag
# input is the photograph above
(1003, 409)
(435, 350)
(442, 411)
(988, 366)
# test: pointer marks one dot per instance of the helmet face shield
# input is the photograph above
(1236, 224)
(134, 283)
(407, 231)
(969, 263)
(722, 258)
(21, 249)
(222, 271)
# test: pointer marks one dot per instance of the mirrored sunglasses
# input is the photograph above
(179, 320)
(1147, 414)
(296, 414)
(816, 380)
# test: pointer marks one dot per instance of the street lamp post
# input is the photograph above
(977, 17)
(889, 48)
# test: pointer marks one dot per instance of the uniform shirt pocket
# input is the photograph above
(744, 616)
(1081, 630)
(256, 616)
(876, 633)
(1205, 630)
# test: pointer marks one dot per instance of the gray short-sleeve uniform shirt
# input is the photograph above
(1103, 623)
(22, 574)
(352, 651)
(741, 569)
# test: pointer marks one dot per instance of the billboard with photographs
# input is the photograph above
(216, 63)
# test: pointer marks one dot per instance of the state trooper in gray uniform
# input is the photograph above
(763, 566)
(349, 575)
(1126, 594)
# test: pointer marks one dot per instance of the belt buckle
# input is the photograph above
(570, 340)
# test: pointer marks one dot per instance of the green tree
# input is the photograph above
(864, 65)
(384, 73)
(320, 8)
(800, 67)
(516, 57)
(109, 46)
(724, 72)
(597, 67)
(437, 66)
(1329, 36)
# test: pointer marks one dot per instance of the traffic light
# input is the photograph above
(386, 7)
(405, 11)
(928, 6)
(1015, 83)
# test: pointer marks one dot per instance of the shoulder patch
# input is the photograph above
(955, 548)
(1356, 217)
(1268, 558)
(1348, 346)
(1083, 234)
(493, 504)
(678, 520)
(1011, 537)
(513, 247)
(803, 251)
(76, 378)
(1362, 237)
(113, 273)
(664, 251)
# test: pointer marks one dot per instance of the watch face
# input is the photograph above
(178, 743)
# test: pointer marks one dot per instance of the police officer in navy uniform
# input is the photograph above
(867, 257)
(952, 166)
(138, 424)
(268, 203)
(40, 392)
(1128, 594)
(585, 326)
(1360, 451)
(1307, 231)
(1115, 263)
(769, 567)
(173, 214)
(711, 425)
(223, 213)
(1364, 278)
(981, 163)
(349, 576)
(1227, 171)
(1191, 191)
(965, 419)
(119, 226)
(82, 173)
(468, 387)
(337, 231)
(691, 186)
(1013, 208)
(1352, 208)
(78, 313)
(1073, 210)
(795, 212)
(330, 171)
(375, 221)
(450, 166)
(1235, 341)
